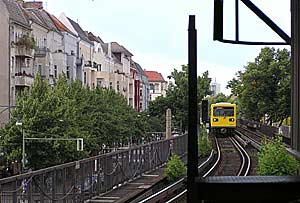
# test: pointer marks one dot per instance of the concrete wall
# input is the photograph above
(4, 63)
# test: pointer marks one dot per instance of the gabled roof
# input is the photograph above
(30, 15)
(154, 76)
(92, 37)
(15, 12)
(117, 48)
(139, 69)
(59, 25)
(80, 31)
(45, 17)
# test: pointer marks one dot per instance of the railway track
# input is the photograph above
(178, 194)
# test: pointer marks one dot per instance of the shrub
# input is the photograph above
(273, 159)
(204, 143)
(175, 169)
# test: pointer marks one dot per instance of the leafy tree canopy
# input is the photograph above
(263, 88)
(177, 97)
(67, 110)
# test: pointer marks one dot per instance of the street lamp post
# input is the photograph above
(19, 123)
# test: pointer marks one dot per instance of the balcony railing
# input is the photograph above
(40, 51)
(24, 52)
(23, 79)
(88, 64)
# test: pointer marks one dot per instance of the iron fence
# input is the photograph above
(80, 180)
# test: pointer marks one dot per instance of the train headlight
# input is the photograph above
(231, 119)
(215, 120)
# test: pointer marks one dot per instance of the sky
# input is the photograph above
(155, 31)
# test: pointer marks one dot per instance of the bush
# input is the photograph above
(273, 159)
(175, 169)
(204, 143)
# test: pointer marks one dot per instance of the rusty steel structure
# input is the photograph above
(80, 180)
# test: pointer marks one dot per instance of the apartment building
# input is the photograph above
(121, 77)
(86, 69)
(70, 49)
(143, 89)
(21, 51)
(157, 84)
(56, 57)
(39, 43)
(103, 74)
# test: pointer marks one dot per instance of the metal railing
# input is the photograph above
(80, 180)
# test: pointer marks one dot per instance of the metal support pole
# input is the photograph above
(295, 72)
(192, 171)
(168, 123)
(237, 20)
(23, 151)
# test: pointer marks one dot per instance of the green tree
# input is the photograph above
(263, 88)
(68, 110)
(177, 96)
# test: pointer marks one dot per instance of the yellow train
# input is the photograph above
(223, 118)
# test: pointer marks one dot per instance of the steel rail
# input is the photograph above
(180, 195)
(244, 156)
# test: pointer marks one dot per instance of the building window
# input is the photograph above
(99, 82)
(141, 93)
(141, 106)
(99, 67)
(118, 85)
(84, 78)
(68, 72)
(151, 87)
(40, 69)
(55, 71)
(110, 85)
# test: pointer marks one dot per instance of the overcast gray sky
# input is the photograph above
(155, 31)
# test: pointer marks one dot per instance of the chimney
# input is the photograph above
(20, 2)
(109, 49)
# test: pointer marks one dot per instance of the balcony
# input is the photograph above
(40, 52)
(88, 64)
(22, 51)
(23, 79)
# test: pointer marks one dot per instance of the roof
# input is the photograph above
(29, 14)
(154, 76)
(33, 4)
(80, 31)
(59, 25)
(45, 17)
(117, 48)
(15, 12)
(140, 70)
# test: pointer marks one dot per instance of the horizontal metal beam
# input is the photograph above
(252, 43)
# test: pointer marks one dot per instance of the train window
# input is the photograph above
(223, 111)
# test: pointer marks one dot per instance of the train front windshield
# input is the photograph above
(223, 111)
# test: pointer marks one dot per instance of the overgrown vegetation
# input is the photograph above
(273, 159)
(204, 143)
(175, 169)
